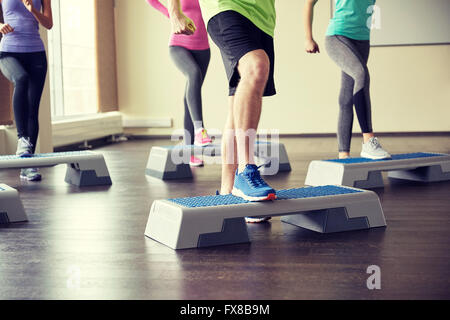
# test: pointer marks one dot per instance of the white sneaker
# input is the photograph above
(31, 174)
(24, 147)
(372, 150)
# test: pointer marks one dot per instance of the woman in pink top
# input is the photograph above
(191, 55)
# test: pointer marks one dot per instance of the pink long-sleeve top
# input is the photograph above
(191, 8)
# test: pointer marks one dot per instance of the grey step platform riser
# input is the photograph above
(173, 163)
(11, 208)
(180, 227)
(369, 175)
(83, 168)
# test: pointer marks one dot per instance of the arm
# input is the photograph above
(4, 28)
(45, 18)
(180, 23)
(159, 6)
(311, 46)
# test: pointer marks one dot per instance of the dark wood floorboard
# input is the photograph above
(98, 234)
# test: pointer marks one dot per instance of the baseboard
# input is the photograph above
(78, 130)
(314, 135)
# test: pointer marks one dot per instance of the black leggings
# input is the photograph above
(27, 71)
(194, 65)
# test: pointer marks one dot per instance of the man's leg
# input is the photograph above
(229, 152)
(254, 70)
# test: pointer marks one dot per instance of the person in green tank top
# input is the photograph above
(261, 13)
(348, 45)
(243, 30)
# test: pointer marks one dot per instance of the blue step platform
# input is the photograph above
(366, 173)
(219, 220)
(84, 168)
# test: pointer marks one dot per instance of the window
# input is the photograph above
(72, 59)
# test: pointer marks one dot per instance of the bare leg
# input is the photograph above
(254, 71)
(229, 152)
(344, 155)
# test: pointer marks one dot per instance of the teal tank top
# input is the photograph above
(352, 18)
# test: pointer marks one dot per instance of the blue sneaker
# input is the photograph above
(249, 185)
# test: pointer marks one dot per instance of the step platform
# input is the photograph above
(219, 220)
(366, 173)
(11, 208)
(84, 168)
(172, 162)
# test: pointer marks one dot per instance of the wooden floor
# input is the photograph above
(89, 243)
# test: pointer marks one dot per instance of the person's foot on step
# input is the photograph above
(372, 150)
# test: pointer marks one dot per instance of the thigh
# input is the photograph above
(202, 57)
(35, 64)
(345, 54)
(363, 47)
(12, 68)
(184, 60)
(236, 36)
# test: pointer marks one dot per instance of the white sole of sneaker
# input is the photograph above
(368, 156)
(240, 194)
(257, 220)
(31, 180)
(25, 155)
(196, 164)
(202, 145)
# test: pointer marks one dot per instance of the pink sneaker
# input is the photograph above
(202, 139)
(195, 162)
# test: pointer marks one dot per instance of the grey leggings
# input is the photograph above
(194, 65)
(351, 56)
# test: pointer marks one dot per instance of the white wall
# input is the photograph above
(410, 85)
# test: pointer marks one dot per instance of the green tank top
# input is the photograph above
(352, 18)
(260, 12)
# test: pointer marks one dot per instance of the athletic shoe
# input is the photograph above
(195, 162)
(249, 185)
(372, 150)
(24, 148)
(30, 174)
(256, 220)
(202, 139)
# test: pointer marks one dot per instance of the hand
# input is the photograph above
(182, 25)
(5, 28)
(28, 4)
(311, 46)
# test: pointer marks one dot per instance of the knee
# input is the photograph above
(362, 78)
(257, 70)
(20, 79)
(195, 77)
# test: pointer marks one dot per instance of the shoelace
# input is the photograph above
(255, 180)
(27, 142)
(204, 134)
(375, 143)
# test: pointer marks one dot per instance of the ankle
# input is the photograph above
(368, 136)
(198, 130)
(344, 155)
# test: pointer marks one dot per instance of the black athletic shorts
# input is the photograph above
(235, 35)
